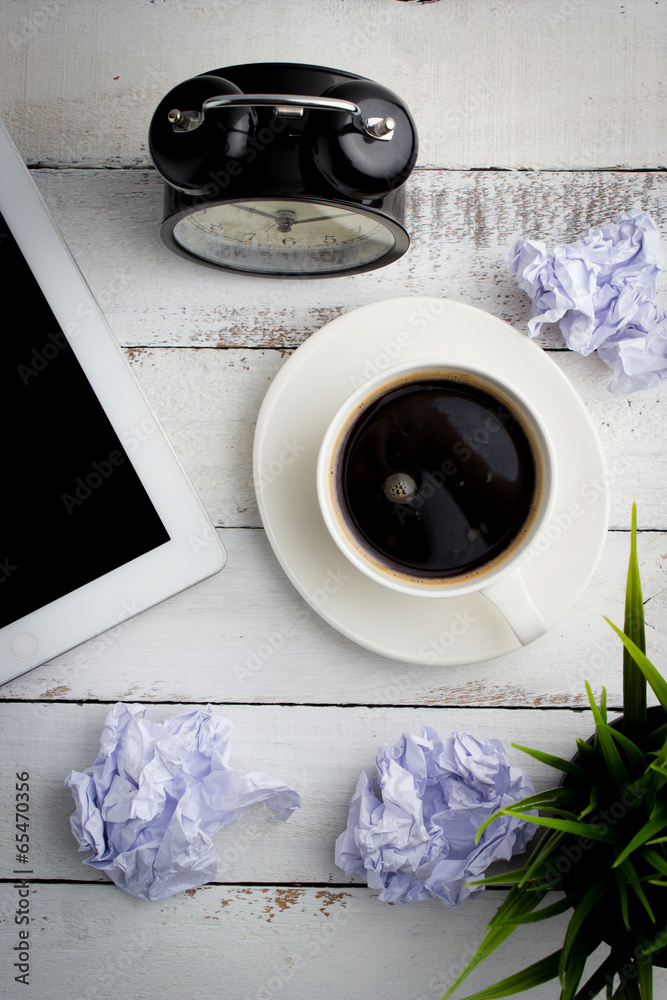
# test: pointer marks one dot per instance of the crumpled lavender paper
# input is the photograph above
(602, 288)
(417, 840)
(157, 793)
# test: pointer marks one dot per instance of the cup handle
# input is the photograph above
(512, 599)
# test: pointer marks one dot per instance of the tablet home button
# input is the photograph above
(24, 645)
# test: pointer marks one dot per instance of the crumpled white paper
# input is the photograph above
(157, 793)
(417, 840)
(602, 288)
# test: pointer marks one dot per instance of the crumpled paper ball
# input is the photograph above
(603, 289)
(417, 840)
(157, 793)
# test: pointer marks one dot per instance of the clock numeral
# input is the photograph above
(249, 236)
(330, 239)
(289, 242)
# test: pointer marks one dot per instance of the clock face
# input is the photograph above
(284, 236)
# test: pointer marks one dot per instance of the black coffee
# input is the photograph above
(437, 477)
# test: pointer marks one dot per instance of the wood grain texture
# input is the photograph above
(501, 83)
(462, 226)
(208, 400)
(321, 936)
(247, 636)
(573, 88)
(318, 751)
(93, 942)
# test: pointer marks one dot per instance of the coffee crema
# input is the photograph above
(437, 477)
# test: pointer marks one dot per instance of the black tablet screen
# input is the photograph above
(73, 505)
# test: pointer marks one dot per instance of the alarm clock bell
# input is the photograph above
(284, 169)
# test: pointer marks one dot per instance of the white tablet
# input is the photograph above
(99, 520)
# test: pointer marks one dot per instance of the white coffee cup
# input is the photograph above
(500, 578)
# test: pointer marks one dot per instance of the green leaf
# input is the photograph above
(536, 974)
(658, 942)
(541, 800)
(573, 933)
(505, 878)
(603, 976)
(578, 957)
(546, 758)
(622, 887)
(629, 988)
(584, 747)
(635, 757)
(634, 682)
(516, 904)
(593, 831)
(657, 737)
(603, 704)
(546, 848)
(545, 800)
(628, 870)
(655, 825)
(593, 799)
(645, 970)
(560, 906)
(655, 859)
(617, 770)
(652, 675)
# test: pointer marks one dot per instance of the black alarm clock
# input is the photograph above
(284, 169)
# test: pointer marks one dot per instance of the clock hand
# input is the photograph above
(321, 218)
(256, 211)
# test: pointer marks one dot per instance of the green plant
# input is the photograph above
(604, 846)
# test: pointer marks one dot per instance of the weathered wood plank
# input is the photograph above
(503, 83)
(319, 751)
(251, 940)
(208, 401)
(247, 636)
(93, 942)
(462, 226)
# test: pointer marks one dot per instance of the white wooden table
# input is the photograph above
(535, 118)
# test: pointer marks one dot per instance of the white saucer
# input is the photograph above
(303, 397)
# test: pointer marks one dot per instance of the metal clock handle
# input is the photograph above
(284, 106)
